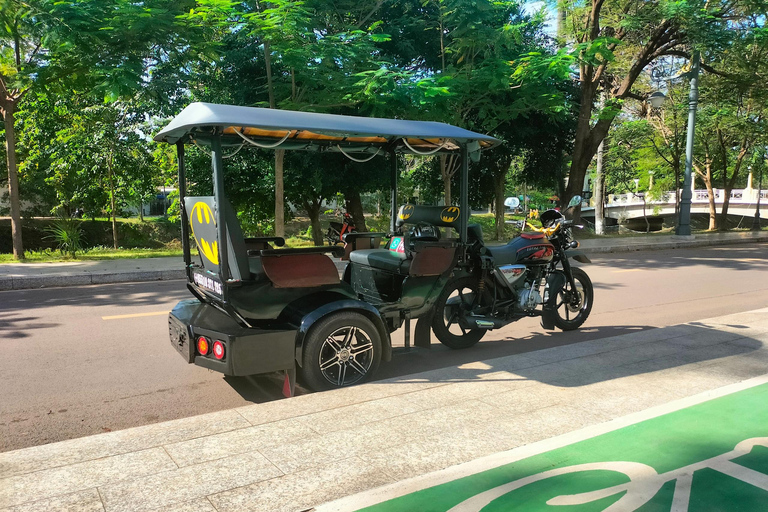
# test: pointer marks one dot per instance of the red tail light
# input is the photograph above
(218, 349)
(203, 345)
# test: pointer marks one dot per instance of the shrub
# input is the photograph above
(67, 235)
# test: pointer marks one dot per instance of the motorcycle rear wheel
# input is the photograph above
(573, 306)
(445, 321)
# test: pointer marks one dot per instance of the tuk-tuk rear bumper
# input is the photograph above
(246, 351)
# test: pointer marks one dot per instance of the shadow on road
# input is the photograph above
(15, 326)
(121, 295)
(743, 257)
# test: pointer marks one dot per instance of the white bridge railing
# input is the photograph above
(738, 197)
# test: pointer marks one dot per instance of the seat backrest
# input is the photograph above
(440, 216)
(202, 222)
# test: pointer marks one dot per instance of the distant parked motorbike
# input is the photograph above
(529, 276)
(337, 230)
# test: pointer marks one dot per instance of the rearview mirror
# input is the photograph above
(575, 201)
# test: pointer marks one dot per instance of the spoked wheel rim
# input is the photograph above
(460, 301)
(346, 356)
(572, 301)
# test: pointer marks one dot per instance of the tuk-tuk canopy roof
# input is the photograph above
(287, 129)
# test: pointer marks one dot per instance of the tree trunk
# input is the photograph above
(279, 153)
(446, 172)
(313, 210)
(354, 206)
(8, 107)
(499, 188)
(722, 219)
(279, 193)
(112, 203)
(598, 192)
(729, 184)
(711, 196)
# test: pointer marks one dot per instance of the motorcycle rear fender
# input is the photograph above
(578, 256)
(555, 283)
(317, 314)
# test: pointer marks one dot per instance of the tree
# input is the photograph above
(102, 46)
(613, 42)
(286, 54)
(103, 145)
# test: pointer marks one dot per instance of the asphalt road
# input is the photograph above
(69, 370)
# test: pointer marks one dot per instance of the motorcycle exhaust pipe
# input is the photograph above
(483, 322)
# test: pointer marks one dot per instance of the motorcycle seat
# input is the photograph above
(382, 259)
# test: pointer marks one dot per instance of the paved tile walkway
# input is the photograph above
(291, 455)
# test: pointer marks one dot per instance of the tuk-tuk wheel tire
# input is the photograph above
(364, 351)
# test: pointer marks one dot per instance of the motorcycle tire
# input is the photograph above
(572, 311)
(332, 236)
(340, 350)
(445, 317)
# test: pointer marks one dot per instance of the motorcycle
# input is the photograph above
(337, 230)
(529, 276)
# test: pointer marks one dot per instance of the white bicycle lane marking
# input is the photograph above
(644, 482)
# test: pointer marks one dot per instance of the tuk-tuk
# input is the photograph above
(261, 308)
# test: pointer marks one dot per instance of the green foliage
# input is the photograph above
(67, 235)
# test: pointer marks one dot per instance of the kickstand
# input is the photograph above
(289, 383)
(407, 325)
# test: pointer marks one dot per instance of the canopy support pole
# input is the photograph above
(393, 189)
(182, 206)
(464, 200)
(218, 191)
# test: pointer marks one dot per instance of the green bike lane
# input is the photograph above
(703, 453)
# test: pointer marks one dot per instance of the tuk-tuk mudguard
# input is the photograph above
(248, 351)
(578, 256)
(314, 314)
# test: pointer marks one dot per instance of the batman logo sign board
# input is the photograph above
(203, 224)
(450, 214)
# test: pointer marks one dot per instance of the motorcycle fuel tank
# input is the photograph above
(523, 250)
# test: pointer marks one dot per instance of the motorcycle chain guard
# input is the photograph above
(555, 283)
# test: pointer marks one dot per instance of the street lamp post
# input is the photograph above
(684, 221)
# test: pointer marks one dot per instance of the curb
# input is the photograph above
(679, 244)
(31, 282)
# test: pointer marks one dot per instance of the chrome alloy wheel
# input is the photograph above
(346, 356)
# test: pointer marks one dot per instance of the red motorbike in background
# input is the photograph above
(337, 230)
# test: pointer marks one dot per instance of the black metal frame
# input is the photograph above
(217, 166)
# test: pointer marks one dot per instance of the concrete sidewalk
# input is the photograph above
(19, 276)
(294, 454)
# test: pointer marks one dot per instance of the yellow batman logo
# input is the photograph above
(407, 211)
(203, 225)
(449, 214)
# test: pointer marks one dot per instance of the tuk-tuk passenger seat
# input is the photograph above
(411, 256)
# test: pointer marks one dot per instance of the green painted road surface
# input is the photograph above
(712, 456)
